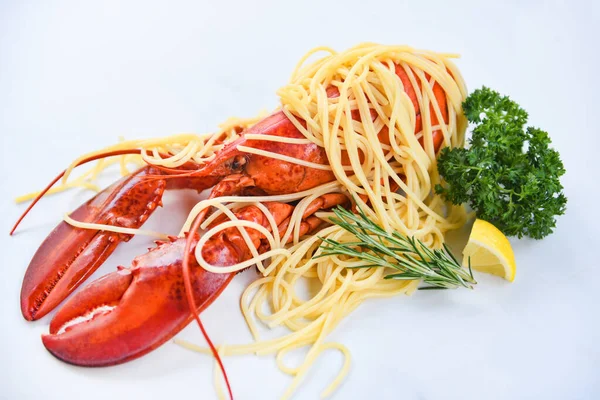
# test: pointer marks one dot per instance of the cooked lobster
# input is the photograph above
(130, 312)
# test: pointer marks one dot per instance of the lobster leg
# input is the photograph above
(231, 185)
(130, 312)
(310, 222)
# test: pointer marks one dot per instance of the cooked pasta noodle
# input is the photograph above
(366, 79)
(390, 173)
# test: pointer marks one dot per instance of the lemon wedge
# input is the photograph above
(490, 251)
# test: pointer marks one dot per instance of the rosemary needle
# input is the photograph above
(409, 256)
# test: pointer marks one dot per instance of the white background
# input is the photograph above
(74, 76)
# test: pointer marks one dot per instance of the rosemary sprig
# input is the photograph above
(378, 248)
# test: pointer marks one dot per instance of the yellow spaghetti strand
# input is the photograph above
(354, 105)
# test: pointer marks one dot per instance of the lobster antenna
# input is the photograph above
(192, 303)
(84, 161)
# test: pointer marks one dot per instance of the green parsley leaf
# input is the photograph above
(509, 174)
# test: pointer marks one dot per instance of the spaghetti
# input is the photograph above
(367, 83)
(381, 150)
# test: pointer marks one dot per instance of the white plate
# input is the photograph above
(74, 76)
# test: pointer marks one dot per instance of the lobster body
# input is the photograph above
(128, 313)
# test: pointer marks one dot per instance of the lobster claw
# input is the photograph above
(130, 312)
(69, 255)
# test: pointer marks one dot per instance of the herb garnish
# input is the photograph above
(413, 260)
(508, 175)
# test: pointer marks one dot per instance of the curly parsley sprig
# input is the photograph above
(509, 175)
